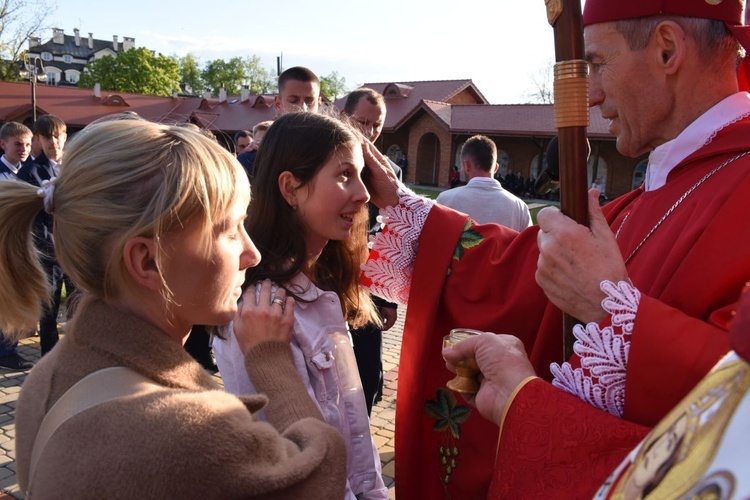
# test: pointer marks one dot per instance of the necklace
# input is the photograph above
(676, 204)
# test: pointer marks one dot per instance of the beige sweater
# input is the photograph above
(190, 440)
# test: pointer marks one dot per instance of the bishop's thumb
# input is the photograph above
(597, 221)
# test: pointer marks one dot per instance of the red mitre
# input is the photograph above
(732, 12)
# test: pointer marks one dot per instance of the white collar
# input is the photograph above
(482, 180)
(13, 168)
(665, 157)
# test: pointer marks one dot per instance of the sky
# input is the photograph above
(502, 46)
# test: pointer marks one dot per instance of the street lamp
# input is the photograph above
(34, 72)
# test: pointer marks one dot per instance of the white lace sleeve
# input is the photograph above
(389, 269)
(600, 381)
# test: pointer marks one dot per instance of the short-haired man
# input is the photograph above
(15, 140)
(366, 109)
(242, 140)
(299, 90)
(52, 133)
(483, 198)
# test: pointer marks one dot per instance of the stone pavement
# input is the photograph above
(382, 422)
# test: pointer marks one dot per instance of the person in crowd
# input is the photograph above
(52, 133)
(247, 158)
(299, 90)
(149, 221)
(483, 198)
(666, 76)
(242, 140)
(308, 218)
(365, 108)
(15, 141)
(454, 178)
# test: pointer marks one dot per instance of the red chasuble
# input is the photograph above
(690, 271)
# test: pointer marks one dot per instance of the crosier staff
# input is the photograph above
(571, 120)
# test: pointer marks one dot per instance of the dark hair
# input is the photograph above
(242, 133)
(482, 150)
(354, 96)
(302, 143)
(49, 126)
(298, 73)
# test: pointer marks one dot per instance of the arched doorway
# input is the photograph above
(428, 160)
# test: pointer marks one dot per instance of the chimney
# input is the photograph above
(97, 90)
(78, 37)
(207, 93)
(222, 94)
(58, 36)
(34, 41)
(245, 93)
(114, 42)
(91, 40)
(128, 43)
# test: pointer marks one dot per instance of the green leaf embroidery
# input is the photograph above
(447, 414)
(469, 239)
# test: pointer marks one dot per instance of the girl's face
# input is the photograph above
(206, 287)
(327, 204)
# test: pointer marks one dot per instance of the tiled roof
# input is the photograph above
(517, 119)
(78, 107)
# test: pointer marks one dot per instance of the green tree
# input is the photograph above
(235, 73)
(136, 70)
(229, 74)
(190, 73)
(19, 19)
(333, 86)
(260, 79)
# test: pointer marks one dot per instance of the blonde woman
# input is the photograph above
(149, 224)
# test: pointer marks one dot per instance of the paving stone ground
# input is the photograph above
(382, 421)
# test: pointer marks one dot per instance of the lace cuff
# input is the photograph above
(600, 381)
(389, 269)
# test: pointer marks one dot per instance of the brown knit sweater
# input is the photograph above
(187, 440)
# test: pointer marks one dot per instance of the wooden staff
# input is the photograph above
(571, 120)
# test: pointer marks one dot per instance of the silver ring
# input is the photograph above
(278, 301)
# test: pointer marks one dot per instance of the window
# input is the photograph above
(72, 77)
(46, 56)
(67, 58)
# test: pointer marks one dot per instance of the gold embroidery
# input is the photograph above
(449, 416)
